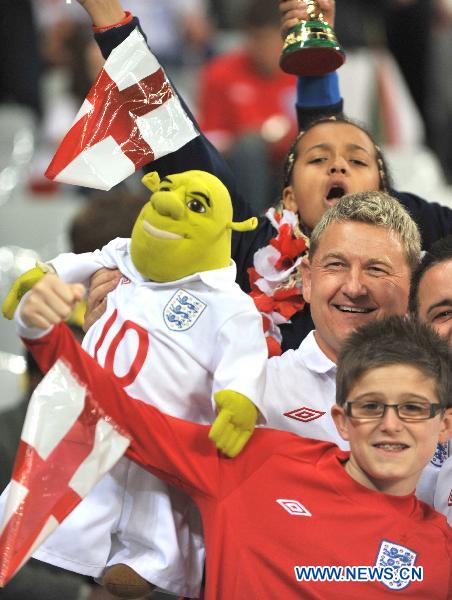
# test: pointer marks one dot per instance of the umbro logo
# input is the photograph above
(449, 502)
(304, 414)
(295, 508)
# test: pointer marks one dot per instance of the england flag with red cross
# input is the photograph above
(67, 445)
(130, 117)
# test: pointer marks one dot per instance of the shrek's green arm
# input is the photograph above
(21, 286)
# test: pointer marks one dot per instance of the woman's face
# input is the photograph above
(333, 159)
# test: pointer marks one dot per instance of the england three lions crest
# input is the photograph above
(441, 455)
(400, 559)
(182, 311)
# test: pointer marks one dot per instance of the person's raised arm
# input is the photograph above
(103, 13)
(112, 25)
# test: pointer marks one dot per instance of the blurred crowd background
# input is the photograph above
(223, 56)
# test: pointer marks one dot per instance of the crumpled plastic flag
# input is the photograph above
(67, 445)
(130, 117)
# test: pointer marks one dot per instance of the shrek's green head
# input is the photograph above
(185, 227)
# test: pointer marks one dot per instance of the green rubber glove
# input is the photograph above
(235, 423)
(20, 287)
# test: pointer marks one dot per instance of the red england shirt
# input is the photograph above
(284, 504)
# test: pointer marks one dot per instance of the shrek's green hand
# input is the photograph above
(20, 287)
(235, 422)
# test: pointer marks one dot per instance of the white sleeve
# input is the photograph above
(443, 490)
(240, 357)
(435, 483)
(78, 268)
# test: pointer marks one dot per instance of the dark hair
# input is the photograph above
(292, 155)
(76, 44)
(440, 251)
(107, 216)
(390, 341)
(260, 13)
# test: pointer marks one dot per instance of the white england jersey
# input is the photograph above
(299, 393)
(172, 345)
(443, 491)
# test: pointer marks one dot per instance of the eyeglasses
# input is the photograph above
(406, 411)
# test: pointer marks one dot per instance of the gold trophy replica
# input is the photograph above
(311, 47)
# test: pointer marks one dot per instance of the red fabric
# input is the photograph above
(273, 348)
(285, 302)
(252, 541)
(289, 247)
(235, 99)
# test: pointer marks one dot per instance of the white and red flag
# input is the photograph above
(130, 117)
(67, 445)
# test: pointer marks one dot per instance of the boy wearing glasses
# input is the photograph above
(293, 517)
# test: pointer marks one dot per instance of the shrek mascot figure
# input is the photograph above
(178, 333)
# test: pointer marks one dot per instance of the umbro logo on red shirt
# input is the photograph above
(449, 502)
(304, 414)
(295, 508)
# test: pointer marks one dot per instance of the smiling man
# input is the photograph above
(431, 302)
(431, 288)
(361, 257)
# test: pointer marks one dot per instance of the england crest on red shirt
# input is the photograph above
(395, 556)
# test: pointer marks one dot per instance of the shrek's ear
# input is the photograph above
(151, 181)
(247, 225)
